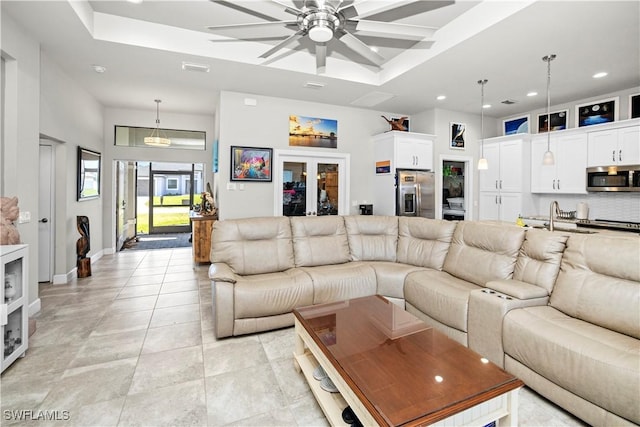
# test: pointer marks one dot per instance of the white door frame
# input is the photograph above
(469, 171)
(51, 189)
(343, 159)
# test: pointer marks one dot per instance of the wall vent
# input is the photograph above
(509, 102)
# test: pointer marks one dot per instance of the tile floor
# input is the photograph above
(133, 345)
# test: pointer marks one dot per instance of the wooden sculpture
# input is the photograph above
(396, 124)
(83, 246)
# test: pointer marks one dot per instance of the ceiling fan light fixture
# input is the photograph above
(321, 32)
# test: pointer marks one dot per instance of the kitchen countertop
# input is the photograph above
(565, 225)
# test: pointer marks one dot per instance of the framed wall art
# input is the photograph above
(251, 164)
(559, 120)
(516, 125)
(313, 132)
(456, 135)
(634, 106)
(597, 112)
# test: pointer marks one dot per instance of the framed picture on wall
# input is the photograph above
(634, 106)
(313, 132)
(456, 135)
(251, 164)
(88, 179)
(516, 125)
(597, 112)
(558, 120)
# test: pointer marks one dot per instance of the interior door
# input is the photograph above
(121, 202)
(309, 185)
(45, 210)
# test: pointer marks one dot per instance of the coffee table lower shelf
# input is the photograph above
(332, 404)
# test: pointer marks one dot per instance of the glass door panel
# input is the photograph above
(310, 184)
(294, 189)
(328, 189)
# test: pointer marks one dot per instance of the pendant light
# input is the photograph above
(156, 139)
(548, 158)
(482, 162)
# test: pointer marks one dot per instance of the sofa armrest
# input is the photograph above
(518, 289)
(486, 312)
(223, 309)
(221, 272)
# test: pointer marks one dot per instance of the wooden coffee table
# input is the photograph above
(393, 369)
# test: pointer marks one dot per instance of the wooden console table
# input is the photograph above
(201, 228)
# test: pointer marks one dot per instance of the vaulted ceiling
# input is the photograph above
(143, 46)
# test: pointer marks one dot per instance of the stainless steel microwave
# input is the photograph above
(613, 178)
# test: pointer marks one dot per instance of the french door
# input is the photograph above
(310, 183)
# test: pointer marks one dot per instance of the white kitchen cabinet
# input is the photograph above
(568, 174)
(405, 150)
(505, 158)
(618, 146)
(14, 303)
(502, 185)
(494, 205)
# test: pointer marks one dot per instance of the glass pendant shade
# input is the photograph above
(156, 139)
(483, 164)
(548, 158)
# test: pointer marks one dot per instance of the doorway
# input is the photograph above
(311, 184)
(46, 208)
(456, 185)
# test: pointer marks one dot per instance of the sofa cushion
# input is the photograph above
(272, 293)
(440, 295)
(243, 243)
(597, 364)
(481, 252)
(341, 282)
(599, 281)
(372, 238)
(424, 242)
(319, 240)
(539, 259)
(390, 277)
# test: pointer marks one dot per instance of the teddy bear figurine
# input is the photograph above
(9, 212)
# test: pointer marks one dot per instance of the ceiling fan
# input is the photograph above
(325, 21)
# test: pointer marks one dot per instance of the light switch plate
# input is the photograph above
(24, 217)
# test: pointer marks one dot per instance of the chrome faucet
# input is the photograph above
(553, 211)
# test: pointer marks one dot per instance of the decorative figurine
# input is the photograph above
(397, 124)
(9, 213)
(83, 245)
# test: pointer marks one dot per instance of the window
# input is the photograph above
(127, 136)
(172, 184)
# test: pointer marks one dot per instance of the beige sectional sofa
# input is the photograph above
(561, 311)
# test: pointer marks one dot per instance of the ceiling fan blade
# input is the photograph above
(236, 6)
(251, 25)
(249, 39)
(360, 48)
(292, 38)
(364, 9)
(321, 57)
(393, 30)
(288, 9)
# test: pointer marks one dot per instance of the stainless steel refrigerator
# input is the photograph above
(415, 193)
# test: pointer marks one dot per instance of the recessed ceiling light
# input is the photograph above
(99, 68)
(135, 1)
(600, 75)
(441, 97)
(486, 106)
(532, 93)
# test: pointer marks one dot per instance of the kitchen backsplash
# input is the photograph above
(612, 206)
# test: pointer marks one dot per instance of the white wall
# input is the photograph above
(267, 125)
(19, 164)
(146, 118)
(71, 115)
(437, 122)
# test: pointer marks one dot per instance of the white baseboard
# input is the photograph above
(63, 279)
(35, 307)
